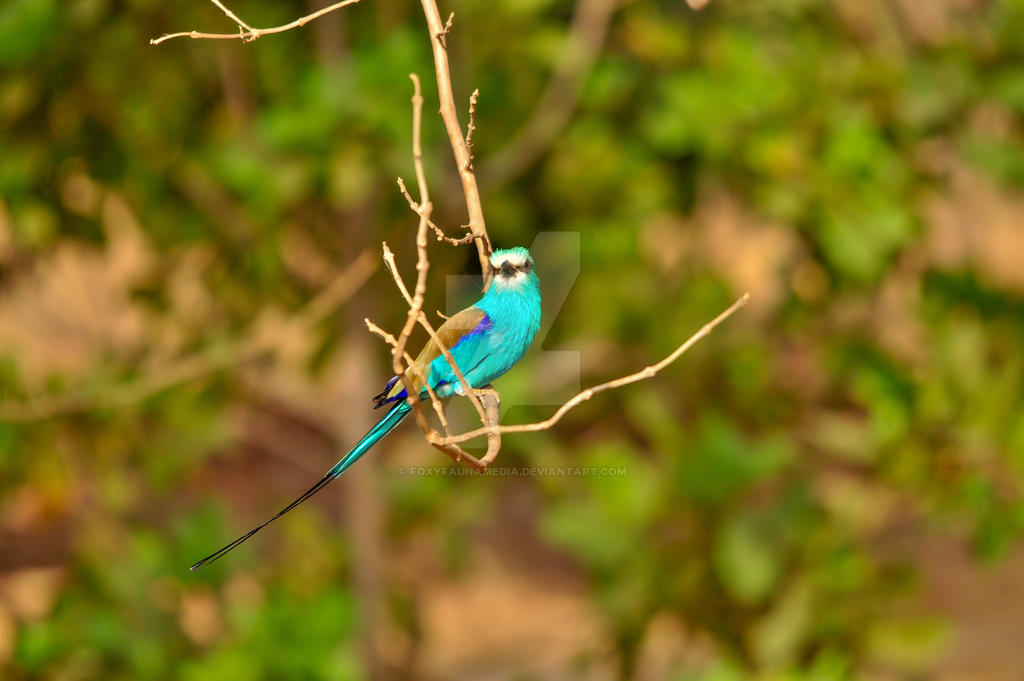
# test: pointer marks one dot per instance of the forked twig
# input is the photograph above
(441, 236)
(246, 33)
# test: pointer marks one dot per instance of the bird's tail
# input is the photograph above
(383, 427)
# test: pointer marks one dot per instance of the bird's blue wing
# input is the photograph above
(470, 350)
(465, 335)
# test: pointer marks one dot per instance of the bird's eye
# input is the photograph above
(527, 266)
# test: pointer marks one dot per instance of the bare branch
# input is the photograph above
(441, 236)
(449, 114)
(424, 208)
(247, 33)
(492, 403)
(472, 126)
(231, 15)
(415, 301)
(417, 147)
(641, 375)
(389, 261)
(461, 148)
(443, 33)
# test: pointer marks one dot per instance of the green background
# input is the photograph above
(828, 487)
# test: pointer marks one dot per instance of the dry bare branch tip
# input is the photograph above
(471, 127)
(422, 211)
(388, 338)
(231, 15)
(389, 261)
(444, 31)
(408, 197)
(441, 236)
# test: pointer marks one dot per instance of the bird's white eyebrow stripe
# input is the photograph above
(515, 260)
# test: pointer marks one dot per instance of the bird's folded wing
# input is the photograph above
(466, 324)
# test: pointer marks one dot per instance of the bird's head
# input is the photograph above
(513, 268)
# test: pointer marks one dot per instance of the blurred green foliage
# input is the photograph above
(857, 165)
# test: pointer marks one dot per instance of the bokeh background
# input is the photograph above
(827, 488)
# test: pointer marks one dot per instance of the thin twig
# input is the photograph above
(472, 126)
(414, 301)
(248, 34)
(415, 314)
(389, 262)
(424, 208)
(417, 147)
(443, 33)
(233, 16)
(441, 236)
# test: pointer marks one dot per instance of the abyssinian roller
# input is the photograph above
(485, 340)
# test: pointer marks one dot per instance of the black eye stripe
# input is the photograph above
(525, 267)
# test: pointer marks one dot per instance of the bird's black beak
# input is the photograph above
(507, 269)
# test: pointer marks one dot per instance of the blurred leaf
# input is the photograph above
(746, 560)
(25, 29)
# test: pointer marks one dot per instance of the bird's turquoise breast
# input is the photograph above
(515, 315)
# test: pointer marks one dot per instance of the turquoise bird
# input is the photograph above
(485, 340)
